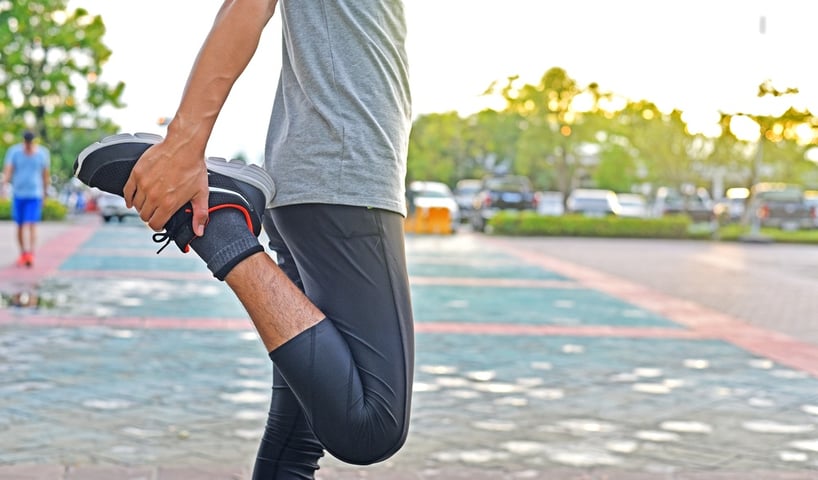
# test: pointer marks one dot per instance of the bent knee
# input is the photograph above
(359, 451)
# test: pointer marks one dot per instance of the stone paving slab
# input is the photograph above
(615, 393)
(54, 472)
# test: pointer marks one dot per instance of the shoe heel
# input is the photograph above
(250, 174)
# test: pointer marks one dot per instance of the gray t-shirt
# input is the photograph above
(340, 125)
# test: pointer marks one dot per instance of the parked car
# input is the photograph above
(695, 203)
(593, 202)
(731, 208)
(632, 205)
(501, 193)
(112, 206)
(550, 203)
(435, 194)
(464, 193)
(811, 199)
(781, 205)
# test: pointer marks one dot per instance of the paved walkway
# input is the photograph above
(536, 358)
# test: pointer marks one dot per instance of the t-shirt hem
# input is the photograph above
(383, 204)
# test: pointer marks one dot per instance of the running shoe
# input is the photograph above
(107, 164)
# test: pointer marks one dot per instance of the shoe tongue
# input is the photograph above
(180, 227)
(183, 236)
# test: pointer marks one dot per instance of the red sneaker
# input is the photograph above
(21, 260)
(29, 259)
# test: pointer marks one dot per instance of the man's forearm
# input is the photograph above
(225, 54)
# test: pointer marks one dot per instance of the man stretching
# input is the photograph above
(334, 312)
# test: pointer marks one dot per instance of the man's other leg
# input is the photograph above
(289, 448)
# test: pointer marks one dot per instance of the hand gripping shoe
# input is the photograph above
(107, 164)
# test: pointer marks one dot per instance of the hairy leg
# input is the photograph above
(278, 309)
(32, 236)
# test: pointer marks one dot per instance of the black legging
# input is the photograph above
(345, 384)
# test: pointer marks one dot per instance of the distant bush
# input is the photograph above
(531, 223)
(675, 226)
(738, 232)
(52, 209)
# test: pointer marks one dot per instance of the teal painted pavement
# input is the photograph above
(467, 266)
(157, 397)
(529, 306)
(508, 405)
(129, 247)
(125, 277)
(114, 297)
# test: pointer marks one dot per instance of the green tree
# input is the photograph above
(658, 141)
(555, 135)
(52, 59)
(436, 146)
(729, 158)
(546, 133)
(780, 152)
(545, 114)
(777, 155)
(493, 138)
(616, 169)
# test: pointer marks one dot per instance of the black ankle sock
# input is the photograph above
(226, 242)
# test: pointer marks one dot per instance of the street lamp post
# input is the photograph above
(755, 235)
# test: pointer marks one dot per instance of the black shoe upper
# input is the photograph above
(107, 165)
(225, 192)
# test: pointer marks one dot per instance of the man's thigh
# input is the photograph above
(345, 257)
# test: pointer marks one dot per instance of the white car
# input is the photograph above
(464, 193)
(632, 205)
(550, 203)
(113, 206)
(593, 202)
(435, 194)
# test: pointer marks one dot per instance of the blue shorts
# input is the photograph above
(27, 210)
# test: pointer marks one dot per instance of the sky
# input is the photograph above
(699, 56)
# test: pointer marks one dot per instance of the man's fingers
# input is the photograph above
(149, 217)
(128, 192)
(200, 214)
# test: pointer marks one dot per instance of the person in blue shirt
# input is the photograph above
(26, 170)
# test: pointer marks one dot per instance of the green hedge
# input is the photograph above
(52, 209)
(530, 223)
(738, 232)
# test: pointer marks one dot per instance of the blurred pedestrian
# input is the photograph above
(26, 172)
(334, 312)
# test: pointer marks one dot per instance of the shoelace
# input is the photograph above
(165, 236)
(160, 237)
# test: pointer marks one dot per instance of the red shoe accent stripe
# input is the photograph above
(247, 217)
(186, 249)
(241, 208)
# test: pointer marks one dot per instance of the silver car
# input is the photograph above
(113, 206)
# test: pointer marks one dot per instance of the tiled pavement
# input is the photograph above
(536, 358)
